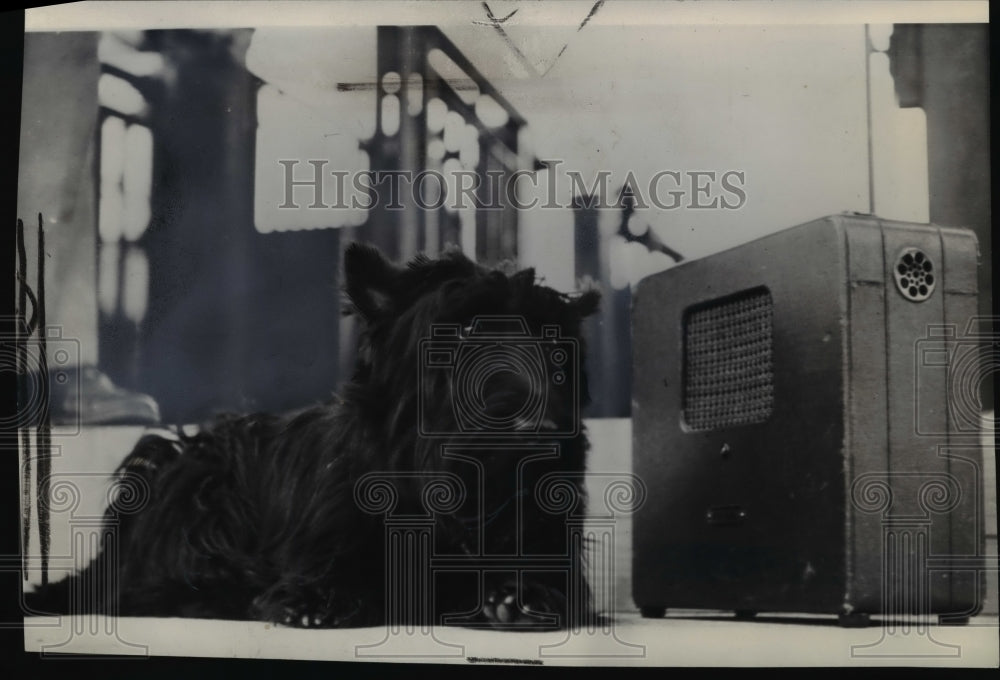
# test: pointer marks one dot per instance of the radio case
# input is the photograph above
(806, 424)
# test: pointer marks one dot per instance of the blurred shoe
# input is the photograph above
(83, 396)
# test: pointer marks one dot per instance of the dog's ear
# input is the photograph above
(524, 277)
(587, 303)
(370, 281)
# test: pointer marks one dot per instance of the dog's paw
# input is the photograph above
(295, 615)
(306, 617)
(306, 612)
(532, 607)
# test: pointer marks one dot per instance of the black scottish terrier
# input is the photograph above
(264, 517)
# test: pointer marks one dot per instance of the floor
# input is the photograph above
(82, 461)
(693, 639)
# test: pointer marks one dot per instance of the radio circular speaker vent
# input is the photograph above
(915, 275)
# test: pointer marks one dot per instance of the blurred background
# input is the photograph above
(197, 261)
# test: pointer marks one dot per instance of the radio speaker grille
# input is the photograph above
(728, 368)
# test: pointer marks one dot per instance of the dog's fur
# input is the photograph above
(256, 516)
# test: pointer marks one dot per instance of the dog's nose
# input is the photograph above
(533, 424)
(507, 393)
(514, 403)
(504, 403)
